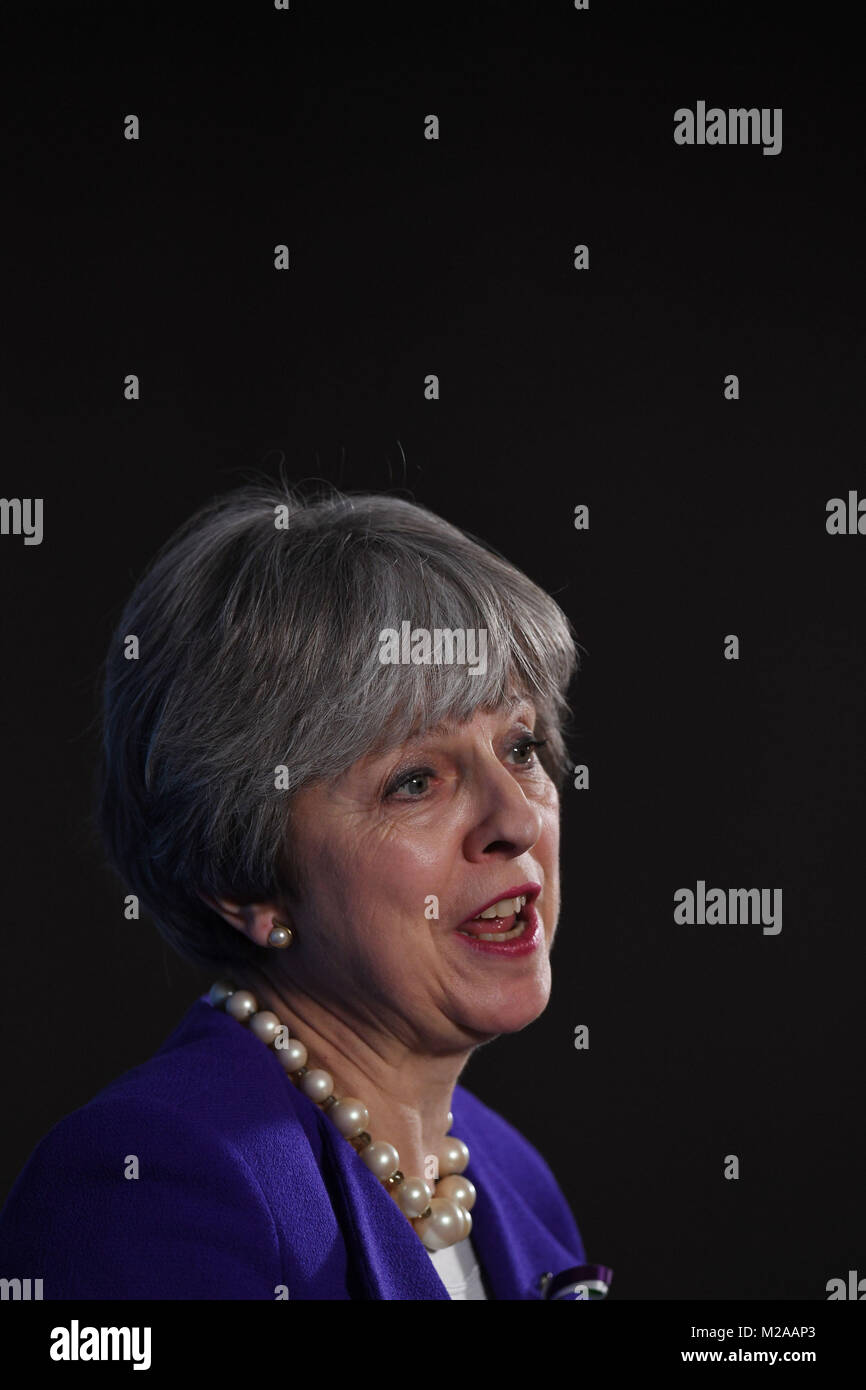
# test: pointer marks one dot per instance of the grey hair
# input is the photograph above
(258, 627)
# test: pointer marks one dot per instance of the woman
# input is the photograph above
(332, 753)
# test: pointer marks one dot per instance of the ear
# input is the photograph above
(253, 920)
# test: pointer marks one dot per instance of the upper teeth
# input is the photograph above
(504, 907)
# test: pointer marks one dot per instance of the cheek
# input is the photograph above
(402, 863)
(547, 851)
(549, 839)
(335, 883)
(377, 881)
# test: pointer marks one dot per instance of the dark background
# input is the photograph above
(557, 387)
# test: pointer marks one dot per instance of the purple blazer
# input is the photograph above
(244, 1185)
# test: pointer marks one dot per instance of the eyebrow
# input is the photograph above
(447, 728)
(450, 727)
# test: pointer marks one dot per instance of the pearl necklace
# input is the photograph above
(440, 1221)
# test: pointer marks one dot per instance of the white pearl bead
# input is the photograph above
(458, 1189)
(443, 1227)
(293, 1056)
(265, 1024)
(241, 1005)
(467, 1222)
(350, 1116)
(317, 1084)
(449, 1122)
(381, 1158)
(219, 993)
(413, 1197)
(453, 1156)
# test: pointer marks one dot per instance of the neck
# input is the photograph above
(407, 1092)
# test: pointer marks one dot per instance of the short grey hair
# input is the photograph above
(258, 628)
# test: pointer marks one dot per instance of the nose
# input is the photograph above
(503, 821)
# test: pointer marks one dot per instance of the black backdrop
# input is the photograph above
(558, 387)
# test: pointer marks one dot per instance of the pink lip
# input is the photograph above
(520, 946)
(531, 890)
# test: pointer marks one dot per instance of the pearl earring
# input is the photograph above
(280, 935)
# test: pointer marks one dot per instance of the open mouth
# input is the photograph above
(504, 921)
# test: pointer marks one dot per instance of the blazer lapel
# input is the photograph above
(513, 1247)
(392, 1262)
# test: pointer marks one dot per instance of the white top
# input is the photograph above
(458, 1269)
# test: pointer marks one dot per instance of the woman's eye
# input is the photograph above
(529, 745)
(407, 781)
(415, 779)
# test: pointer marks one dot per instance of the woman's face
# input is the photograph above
(455, 820)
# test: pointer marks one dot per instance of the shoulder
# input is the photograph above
(205, 1087)
(151, 1189)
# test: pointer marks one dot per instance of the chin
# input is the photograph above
(508, 1013)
